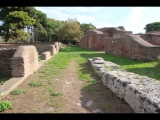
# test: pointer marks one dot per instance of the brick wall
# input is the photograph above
(40, 46)
(5, 60)
(151, 38)
(25, 61)
(132, 47)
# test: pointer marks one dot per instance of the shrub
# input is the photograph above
(4, 105)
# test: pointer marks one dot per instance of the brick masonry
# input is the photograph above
(25, 61)
(5, 60)
(118, 41)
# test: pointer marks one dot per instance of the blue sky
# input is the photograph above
(132, 18)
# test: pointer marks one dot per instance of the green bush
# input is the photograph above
(4, 105)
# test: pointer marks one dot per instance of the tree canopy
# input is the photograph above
(86, 27)
(152, 26)
(70, 30)
(15, 20)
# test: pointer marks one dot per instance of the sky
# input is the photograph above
(132, 18)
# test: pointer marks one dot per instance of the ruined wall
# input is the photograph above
(25, 61)
(40, 46)
(151, 38)
(140, 92)
(95, 39)
(132, 46)
(5, 61)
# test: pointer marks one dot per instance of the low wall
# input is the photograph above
(46, 55)
(132, 46)
(25, 61)
(140, 92)
(40, 46)
(5, 60)
(151, 38)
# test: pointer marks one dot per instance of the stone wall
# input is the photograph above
(95, 39)
(118, 41)
(151, 38)
(5, 60)
(132, 46)
(25, 61)
(40, 46)
(140, 92)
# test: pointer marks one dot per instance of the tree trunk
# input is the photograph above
(50, 39)
(7, 34)
(28, 40)
(32, 32)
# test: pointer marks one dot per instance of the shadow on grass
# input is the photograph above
(97, 97)
(3, 79)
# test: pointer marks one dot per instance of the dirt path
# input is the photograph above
(75, 98)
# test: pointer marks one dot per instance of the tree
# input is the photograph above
(152, 26)
(70, 30)
(16, 22)
(4, 11)
(52, 24)
(86, 27)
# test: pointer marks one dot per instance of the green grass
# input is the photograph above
(149, 69)
(39, 58)
(18, 91)
(56, 93)
(4, 105)
(35, 84)
(3, 79)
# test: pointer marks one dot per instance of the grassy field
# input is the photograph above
(139, 67)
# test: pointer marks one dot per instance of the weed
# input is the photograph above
(33, 111)
(3, 79)
(56, 93)
(95, 81)
(35, 84)
(18, 91)
(4, 105)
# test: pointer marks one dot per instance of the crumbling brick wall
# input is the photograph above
(151, 38)
(132, 46)
(95, 39)
(5, 60)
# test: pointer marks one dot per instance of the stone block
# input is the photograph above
(24, 61)
(46, 55)
(140, 92)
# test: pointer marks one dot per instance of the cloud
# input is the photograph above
(136, 14)
(71, 9)
(103, 24)
(59, 15)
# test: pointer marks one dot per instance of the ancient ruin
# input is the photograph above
(19, 60)
(118, 41)
(140, 92)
